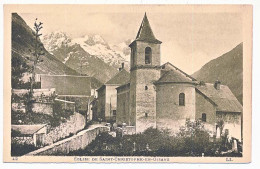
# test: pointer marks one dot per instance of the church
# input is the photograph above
(164, 97)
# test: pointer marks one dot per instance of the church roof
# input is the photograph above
(145, 32)
(120, 78)
(223, 98)
(168, 66)
(172, 74)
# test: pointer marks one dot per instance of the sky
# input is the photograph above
(189, 40)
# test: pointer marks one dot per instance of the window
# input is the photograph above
(133, 57)
(148, 55)
(182, 99)
(146, 87)
(146, 114)
(114, 112)
(204, 117)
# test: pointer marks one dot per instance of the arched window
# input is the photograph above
(148, 55)
(182, 99)
(204, 117)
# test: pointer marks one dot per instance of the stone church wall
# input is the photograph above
(203, 105)
(169, 113)
(145, 98)
(140, 51)
(132, 96)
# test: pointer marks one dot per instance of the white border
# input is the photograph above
(255, 93)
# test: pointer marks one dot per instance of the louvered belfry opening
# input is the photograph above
(148, 55)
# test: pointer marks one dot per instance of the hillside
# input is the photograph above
(228, 69)
(90, 54)
(23, 41)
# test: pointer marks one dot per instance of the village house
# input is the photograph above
(106, 105)
(163, 96)
(73, 92)
(29, 134)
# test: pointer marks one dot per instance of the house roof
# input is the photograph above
(27, 129)
(223, 98)
(120, 78)
(172, 74)
(145, 32)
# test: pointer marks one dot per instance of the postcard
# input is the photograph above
(127, 83)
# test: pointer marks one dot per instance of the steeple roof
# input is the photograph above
(145, 32)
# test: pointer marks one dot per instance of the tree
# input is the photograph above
(36, 53)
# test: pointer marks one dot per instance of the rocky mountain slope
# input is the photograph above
(90, 55)
(228, 69)
(23, 41)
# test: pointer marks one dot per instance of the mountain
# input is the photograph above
(228, 69)
(23, 42)
(90, 54)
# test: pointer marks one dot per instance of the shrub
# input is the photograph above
(21, 149)
(191, 140)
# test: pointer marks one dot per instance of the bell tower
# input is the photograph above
(145, 70)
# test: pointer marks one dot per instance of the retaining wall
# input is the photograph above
(74, 124)
(76, 142)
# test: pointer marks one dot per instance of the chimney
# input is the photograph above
(122, 67)
(217, 85)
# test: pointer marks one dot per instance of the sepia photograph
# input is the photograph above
(127, 83)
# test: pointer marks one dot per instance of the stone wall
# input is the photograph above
(170, 114)
(18, 107)
(43, 108)
(76, 142)
(75, 123)
(36, 92)
(23, 140)
(128, 130)
(66, 105)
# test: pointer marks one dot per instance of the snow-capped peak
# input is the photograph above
(91, 40)
(95, 45)
(55, 40)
